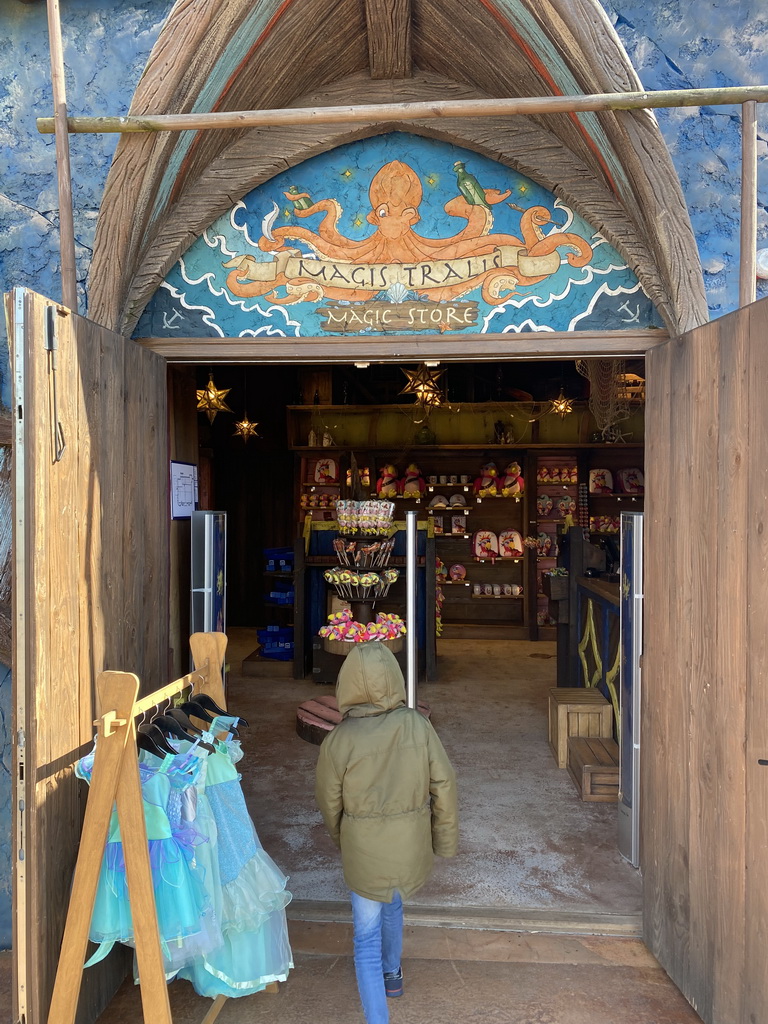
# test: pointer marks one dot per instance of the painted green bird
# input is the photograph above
(469, 186)
(300, 200)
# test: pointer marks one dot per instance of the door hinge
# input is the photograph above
(52, 347)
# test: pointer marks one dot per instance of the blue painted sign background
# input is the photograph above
(397, 234)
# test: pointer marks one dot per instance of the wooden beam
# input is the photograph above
(389, 38)
(63, 173)
(748, 241)
(508, 107)
(414, 348)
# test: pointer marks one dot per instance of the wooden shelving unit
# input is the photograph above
(379, 435)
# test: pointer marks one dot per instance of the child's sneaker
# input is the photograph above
(393, 983)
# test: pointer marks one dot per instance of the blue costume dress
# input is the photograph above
(249, 896)
(186, 923)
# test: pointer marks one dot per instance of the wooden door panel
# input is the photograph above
(91, 593)
(705, 713)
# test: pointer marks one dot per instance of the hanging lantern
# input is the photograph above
(210, 399)
(245, 428)
(424, 384)
(562, 405)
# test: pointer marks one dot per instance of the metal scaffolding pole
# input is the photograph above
(411, 570)
(60, 127)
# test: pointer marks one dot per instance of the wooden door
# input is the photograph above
(90, 593)
(704, 831)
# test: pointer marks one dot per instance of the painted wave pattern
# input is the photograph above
(194, 300)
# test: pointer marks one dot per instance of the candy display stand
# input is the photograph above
(343, 647)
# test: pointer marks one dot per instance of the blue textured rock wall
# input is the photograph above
(672, 44)
(106, 46)
(690, 44)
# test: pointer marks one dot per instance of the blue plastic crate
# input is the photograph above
(279, 559)
(277, 655)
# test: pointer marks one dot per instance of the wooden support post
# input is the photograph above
(63, 174)
(208, 650)
(389, 38)
(216, 1007)
(116, 690)
(133, 832)
(748, 246)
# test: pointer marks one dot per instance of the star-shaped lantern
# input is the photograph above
(424, 383)
(245, 428)
(210, 399)
(562, 405)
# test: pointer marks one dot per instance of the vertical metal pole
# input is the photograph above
(411, 568)
(66, 217)
(748, 245)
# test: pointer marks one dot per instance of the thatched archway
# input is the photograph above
(613, 167)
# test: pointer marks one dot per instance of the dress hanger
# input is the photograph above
(150, 737)
(175, 723)
(192, 707)
(206, 701)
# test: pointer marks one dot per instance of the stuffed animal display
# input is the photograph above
(486, 485)
(412, 484)
(512, 483)
(387, 485)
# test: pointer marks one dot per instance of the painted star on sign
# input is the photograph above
(210, 400)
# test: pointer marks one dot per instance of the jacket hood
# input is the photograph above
(370, 682)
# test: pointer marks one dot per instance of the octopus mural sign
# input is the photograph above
(398, 234)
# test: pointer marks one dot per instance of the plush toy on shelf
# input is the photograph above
(412, 484)
(387, 485)
(486, 485)
(512, 483)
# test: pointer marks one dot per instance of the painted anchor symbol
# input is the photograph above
(633, 318)
(169, 323)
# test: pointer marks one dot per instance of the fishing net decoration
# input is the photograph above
(608, 401)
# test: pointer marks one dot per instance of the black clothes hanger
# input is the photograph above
(150, 737)
(204, 700)
(208, 702)
(192, 707)
(175, 723)
(170, 727)
(184, 721)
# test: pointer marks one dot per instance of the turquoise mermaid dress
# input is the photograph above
(246, 888)
(186, 923)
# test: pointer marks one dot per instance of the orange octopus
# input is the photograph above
(395, 195)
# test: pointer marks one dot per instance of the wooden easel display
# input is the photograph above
(115, 780)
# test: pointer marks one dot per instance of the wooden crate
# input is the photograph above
(593, 764)
(555, 587)
(576, 711)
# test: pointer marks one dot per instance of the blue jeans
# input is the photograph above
(378, 943)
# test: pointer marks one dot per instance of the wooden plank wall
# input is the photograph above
(705, 712)
(96, 567)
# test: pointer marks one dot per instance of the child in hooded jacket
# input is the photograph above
(387, 794)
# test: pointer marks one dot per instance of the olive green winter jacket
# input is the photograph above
(385, 786)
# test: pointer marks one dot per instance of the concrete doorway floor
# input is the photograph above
(531, 852)
(535, 922)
